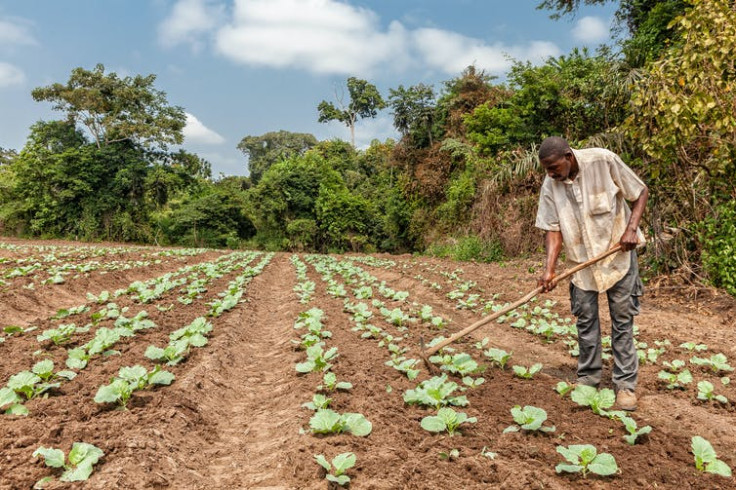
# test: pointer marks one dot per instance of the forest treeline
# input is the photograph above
(462, 179)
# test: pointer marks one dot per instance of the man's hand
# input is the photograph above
(629, 240)
(547, 281)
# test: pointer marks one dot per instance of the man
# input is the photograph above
(582, 205)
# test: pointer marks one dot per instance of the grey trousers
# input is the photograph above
(623, 305)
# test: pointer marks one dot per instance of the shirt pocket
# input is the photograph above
(600, 204)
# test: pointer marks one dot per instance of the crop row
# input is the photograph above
(131, 378)
(441, 393)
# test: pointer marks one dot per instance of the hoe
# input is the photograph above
(426, 353)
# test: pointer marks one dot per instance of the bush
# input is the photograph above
(468, 248)
(718, 235)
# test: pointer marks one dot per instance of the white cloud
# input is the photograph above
(196, 132)
(14, 31)
(334, 37)
(10, 75)
(452, 52)
(322, 36)
(189, 20)
(590, 30)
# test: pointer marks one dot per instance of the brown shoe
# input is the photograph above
(626, 400)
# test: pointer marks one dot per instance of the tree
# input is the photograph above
(365, 101)
(7, 156)
(265, 150)
(413, 110)
(116, 109)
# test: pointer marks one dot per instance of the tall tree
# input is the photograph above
(265, 150)
(413, 110)
(365, 101)
(116, 109)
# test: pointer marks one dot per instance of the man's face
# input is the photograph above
(558, 168)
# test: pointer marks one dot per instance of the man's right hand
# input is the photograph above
(547, 281)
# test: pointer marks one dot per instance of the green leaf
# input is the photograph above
(161, 378)
(8, 397)
(53, 458)
(604, 464)
(703, 451)
(340, 480)
(83, 452)
(342, 462)
(39, 485)
(357, 424)
(718, 467)
(44, 368)
(79, 473)
(325, 421)
(568, 468)
(17, 409)
(322, 461)
(433, 423)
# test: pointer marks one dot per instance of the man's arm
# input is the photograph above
(553, 246)
(629, 239)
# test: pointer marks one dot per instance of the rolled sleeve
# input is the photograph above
(547, 216)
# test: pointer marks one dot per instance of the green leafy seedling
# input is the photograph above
(318, 402)
(633, 431)
(584, 458)
(435, 392)
(706, 459)
(330, 383)
(527, 373)
(446, 419)
(326, 421)
(589, 396)
(79, 466)
(706, 392)
(529, 418)
(340, 463)
(676, 380)
(716, 362)
(499, 357)
(563, 388)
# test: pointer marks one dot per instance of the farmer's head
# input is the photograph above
(557, 158)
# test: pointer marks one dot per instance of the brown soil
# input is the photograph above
(233, 417)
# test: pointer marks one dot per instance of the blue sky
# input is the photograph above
(247, 67)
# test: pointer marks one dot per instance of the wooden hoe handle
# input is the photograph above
(486, 319)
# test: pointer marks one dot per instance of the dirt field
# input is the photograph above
(233, 417)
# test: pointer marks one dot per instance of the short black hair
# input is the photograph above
(553, 147)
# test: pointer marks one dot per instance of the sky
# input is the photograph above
(247, 67)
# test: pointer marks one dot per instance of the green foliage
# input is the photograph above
(341, 463)
(435, 392)
(584, 458)
(82, 458)
(414, 113)
(718, 236)
(575, 95)
(597, 400)
(345, 220)
(265, 150)
(706, 459)
(326, 421)
(116, 109)
(527, 373)
(470, 247)
(365, 101)
(446, 419)
(529, 418)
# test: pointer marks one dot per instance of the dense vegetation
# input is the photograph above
(462, 180)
